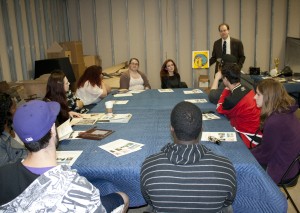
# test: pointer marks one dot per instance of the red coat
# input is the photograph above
(240, 108)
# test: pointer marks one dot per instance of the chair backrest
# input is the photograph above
(293, 181)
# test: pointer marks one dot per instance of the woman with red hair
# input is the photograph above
(90, 86)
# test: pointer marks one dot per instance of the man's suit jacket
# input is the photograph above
(236, 47)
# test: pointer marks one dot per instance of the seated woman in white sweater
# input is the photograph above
(90, 86)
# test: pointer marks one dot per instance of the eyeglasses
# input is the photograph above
(134, 64)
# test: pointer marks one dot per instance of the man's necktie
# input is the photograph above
(224, 48)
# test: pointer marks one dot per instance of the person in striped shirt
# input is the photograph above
(185, 176)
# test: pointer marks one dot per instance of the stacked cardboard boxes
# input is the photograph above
(90, 60)
(204, 82)
(56, 51)
(74, 51)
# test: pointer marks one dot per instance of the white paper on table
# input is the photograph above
(165, 90)
(115, 118)
(195, 101)
(296, 80)
(194, 91)
(84, 121)
(93, 115)
(123, 94)
(120, 101)
(67, 157)
(209, 116)
(64, 130)
(222, 136)
(136, 91)
(121, 147)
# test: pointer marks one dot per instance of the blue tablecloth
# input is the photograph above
(150, 125)
(290, 85)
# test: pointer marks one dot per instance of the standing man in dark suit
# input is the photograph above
(227, 45)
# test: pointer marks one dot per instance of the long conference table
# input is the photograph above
(150, 125)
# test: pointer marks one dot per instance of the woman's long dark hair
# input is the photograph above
(55, 92)
(163, 71)
(5, 111)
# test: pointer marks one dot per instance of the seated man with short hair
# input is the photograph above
(38, 184)
(218, 86)
(186, 176)
(238, 105)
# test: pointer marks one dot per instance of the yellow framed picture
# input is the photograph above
(200, 59)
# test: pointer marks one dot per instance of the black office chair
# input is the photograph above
(290, 182)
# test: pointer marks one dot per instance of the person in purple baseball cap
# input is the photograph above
(38, 181)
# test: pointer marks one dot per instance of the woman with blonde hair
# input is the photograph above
(281, 139)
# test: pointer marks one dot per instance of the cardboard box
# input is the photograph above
(203, 81)
(35, 88)
(90, 60)
(57, 51)
(78, 70)
(4, 86)
(76, 50)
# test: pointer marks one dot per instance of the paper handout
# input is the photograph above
(64, 130)
(121, 147)
(115, 118)
(222, 136)
(196, 101)
(209, 116)
(67, 157)
(194, 91)
(165, 90)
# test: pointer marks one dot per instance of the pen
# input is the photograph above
(214, 139)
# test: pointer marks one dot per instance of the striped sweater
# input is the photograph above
(188, 178)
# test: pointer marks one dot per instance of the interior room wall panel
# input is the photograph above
(136, 32)
(200, 27)
(247, 30)
(168, 24)
(215, 14)
(119, 30)
(104, 33)
(74, 19)
(199, 33)
(232, 16)
(87, 27)
(12, 42)
(153, 47)
(293, 18)
(150, 30)
(184, 30)
(263, 34)
(278, 41)
(4, 73)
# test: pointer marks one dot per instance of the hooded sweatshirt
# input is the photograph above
(188, 178)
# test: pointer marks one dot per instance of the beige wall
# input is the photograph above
(153, 30)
